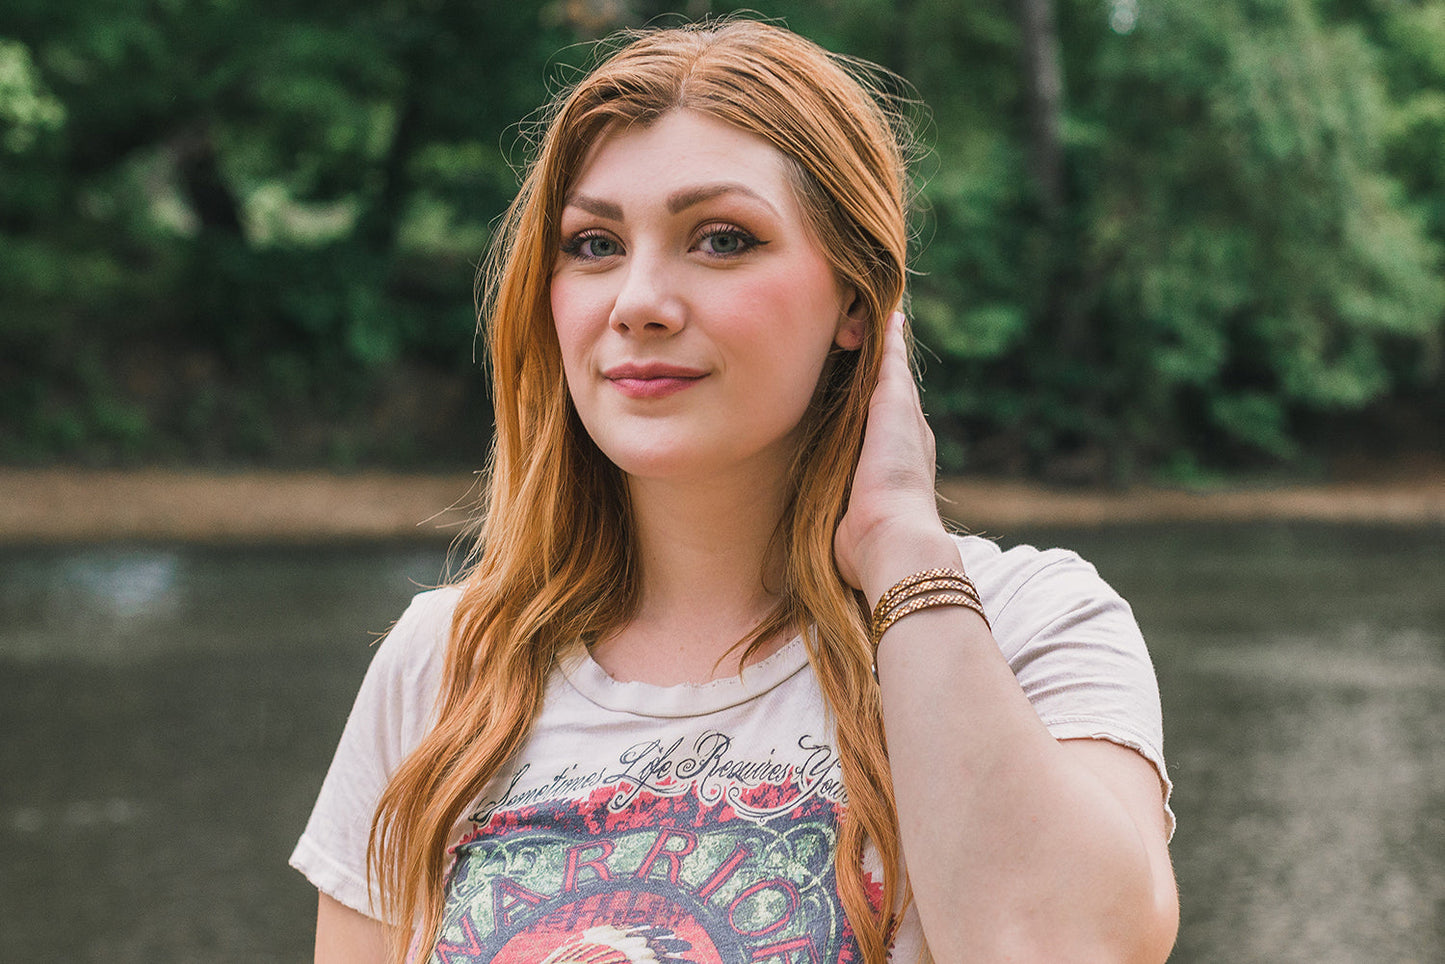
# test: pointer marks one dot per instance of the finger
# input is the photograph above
(895, 345)
(896, 369)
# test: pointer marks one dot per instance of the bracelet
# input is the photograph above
(912, 586)
(924, 590)
(925, 602)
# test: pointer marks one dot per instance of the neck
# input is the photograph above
(708, 570)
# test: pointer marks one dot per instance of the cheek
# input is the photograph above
(569, 320)
(560, 300)
(786, 364)
(803, 316)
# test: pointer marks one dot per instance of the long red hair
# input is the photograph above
(554, 558)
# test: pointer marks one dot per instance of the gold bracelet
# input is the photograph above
(925, 602)
(908, 586)
(922, 584)
(939, 584)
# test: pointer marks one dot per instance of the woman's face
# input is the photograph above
(692, 304)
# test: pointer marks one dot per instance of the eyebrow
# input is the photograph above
(676, 203)
(595, 206)
(687, 197)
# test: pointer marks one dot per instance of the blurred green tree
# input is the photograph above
(223, 216)
(1153, 235)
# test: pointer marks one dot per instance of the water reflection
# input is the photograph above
(1321, 801)
(78, 815)
(126, 585)
(108, 605)
(166, 714)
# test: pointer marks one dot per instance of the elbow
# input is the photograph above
(1143, 930)
(1156, 912)
(1159, 927)
(1144, 925)
(1142, 941)
(1139, 928)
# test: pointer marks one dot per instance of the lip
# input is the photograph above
(653, 379)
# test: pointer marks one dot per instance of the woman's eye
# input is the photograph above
(727, 241)
(592, 246)
(599, 247)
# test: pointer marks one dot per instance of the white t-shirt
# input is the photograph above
(694, 820)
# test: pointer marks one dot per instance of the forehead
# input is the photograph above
(680, 149)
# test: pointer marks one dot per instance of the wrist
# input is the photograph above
(902, 553)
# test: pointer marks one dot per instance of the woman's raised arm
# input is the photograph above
(1018, 846)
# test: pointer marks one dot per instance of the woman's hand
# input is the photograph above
(892, 522)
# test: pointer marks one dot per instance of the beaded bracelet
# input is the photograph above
(914, 584)
(958, 583)
(924, 590)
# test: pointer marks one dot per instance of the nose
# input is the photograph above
(649, 301)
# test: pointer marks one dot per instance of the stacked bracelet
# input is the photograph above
(924, 590)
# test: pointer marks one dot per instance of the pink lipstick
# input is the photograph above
(653, 379)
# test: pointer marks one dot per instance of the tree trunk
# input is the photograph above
(1044, 87)
(199, 172)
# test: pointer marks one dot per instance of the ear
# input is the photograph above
(852, 323)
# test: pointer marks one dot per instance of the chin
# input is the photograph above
(671, 460)
(660, 466)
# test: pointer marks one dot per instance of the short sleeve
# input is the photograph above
(1074, 647)
(393, 710)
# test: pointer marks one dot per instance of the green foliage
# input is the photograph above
(1239, 249)
(248, 228)
(1258, 253)
(26, 108)
(206, 195)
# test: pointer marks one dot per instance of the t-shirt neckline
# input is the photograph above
(682, 699)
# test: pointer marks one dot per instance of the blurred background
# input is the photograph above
(1158, 239)
(1160, 242)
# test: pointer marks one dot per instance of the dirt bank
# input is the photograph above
(74, 506)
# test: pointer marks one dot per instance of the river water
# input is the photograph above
(166, 715)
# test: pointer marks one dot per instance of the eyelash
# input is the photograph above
(747, 241)
(572, 247)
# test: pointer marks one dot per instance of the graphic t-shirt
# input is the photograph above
(695, 822)
(701, 822)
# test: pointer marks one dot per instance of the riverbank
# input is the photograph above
(59, 506)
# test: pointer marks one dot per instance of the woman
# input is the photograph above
(646, 725)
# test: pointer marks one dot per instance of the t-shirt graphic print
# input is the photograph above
(679, 850)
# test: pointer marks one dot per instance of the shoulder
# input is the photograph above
(401, 685)
(392, 712)
(1027, 591)
(1051, 601)
(422, 629)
